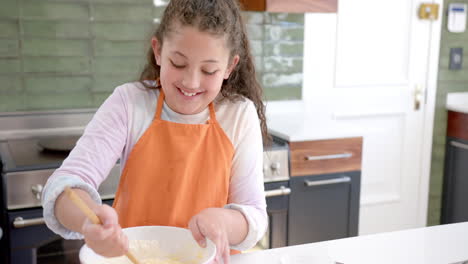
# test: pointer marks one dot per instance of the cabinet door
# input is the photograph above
(455, 196)
(323, 207)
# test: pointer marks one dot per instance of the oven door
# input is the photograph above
(30, 241)
(277, 198)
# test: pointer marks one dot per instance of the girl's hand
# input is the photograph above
(209, 223)
(107, 239)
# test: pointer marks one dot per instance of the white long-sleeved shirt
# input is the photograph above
(121, 121)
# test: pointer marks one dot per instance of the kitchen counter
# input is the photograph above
(430, 245)
(303, 126)
(457, 102)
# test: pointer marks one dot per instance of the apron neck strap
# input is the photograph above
(160, 103)
(212, 113)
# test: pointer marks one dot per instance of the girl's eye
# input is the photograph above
(177, 66)
(209, 73)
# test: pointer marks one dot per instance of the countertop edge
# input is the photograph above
(457, 102)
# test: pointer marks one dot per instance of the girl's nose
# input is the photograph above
(191, 80)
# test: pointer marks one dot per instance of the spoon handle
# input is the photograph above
(91, 215)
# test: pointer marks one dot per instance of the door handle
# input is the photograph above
(344, 179)
(282, 191)
(418, 96)
(19, 222)
(459, 145)
(332, 156)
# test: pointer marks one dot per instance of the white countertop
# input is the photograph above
(431, 245)
(303, 126)
(457, 102)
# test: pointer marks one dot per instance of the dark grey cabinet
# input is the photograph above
(455, 195)
(455, 190)
(323, 207)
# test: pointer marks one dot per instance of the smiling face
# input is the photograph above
(193, 66)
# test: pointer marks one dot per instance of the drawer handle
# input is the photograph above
(327, 182)
(282, 191)
(19, 222)
(332, 156)
(459, 145)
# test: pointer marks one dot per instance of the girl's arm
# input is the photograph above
(246, 189)
(106, 238)
(73, 219)
(237, 226)
(87, 166)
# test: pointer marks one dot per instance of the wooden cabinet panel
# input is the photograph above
(457, 125)
(292, 6)
(257, 5)
(325, 156)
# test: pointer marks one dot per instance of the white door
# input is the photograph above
(362, 67)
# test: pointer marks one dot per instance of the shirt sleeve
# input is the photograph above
(91, 160)
(246, 190)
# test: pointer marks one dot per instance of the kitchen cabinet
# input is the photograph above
(455, 197)
(293, 6)
(325, 189)
(323, 207)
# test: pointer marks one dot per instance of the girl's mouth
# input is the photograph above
(187, 93)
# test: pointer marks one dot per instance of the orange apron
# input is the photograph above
(173, 172)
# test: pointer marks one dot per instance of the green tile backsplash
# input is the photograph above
(57, 54)
(51, 10)
(56, 29)
(448, 81)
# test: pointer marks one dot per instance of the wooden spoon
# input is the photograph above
(91, 215)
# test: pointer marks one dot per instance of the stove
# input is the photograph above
(276, 161)
(28, 163)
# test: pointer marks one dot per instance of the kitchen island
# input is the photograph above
(444, 244)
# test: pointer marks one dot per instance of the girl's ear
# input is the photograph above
(156, 50)
(231, 67)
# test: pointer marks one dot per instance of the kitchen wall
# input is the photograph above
(57, 54)
(448, 81)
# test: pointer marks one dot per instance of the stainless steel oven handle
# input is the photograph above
(332, 156)
(19, 222)
(327, 182)
(282, 191)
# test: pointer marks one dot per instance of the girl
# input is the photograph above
(189, 139)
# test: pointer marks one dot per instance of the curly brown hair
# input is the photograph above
(217, 17)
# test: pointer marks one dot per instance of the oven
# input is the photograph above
(26, 166)
(32, 146)
(276, 182)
